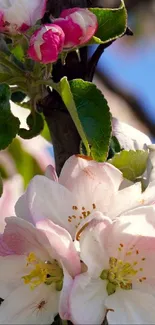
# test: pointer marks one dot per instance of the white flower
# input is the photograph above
(19, 15)
(120, 279)
(37, 270)
(84, 186)
(12, 190)
(129, 137)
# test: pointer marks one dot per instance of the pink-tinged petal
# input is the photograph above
(133, 228)
(130, 307)
(150, 171)
(46, 43)
(132, 240)
(86, 303)
(90, 182)
(48, 199)
(124, 200)
(22, 306)
(72, 39)
(19, 14)
(1, 20)
(148, 196)
(11, 271)
(50, 173)
(22, 238)
(60, 246)
(91, 247)
(64, 297)
(12, 189)
(129, 137)
(4, 249)
(22, 209)
(78, 24)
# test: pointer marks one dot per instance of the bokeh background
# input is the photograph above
(126, 71)
(125, 74)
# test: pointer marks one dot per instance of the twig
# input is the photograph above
(92, 64)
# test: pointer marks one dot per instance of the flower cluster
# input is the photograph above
(82, 245)
(73, 28)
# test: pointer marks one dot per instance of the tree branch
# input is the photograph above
(65, 138)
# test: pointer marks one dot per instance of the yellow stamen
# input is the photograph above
(42, 272)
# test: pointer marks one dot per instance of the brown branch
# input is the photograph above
(65, 138)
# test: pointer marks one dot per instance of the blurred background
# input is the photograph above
(126, 71)
(125, 74)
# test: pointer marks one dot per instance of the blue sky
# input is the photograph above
(133, 67)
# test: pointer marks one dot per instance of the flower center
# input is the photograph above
(80, 214)
(121, 273)
(43, 272)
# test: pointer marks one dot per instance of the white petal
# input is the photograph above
(132, 239)
(148, 196)
(124, 200)
(59, 244)
(130, 307)
(50, 173)
(22, 238)
(129, 137)
(93, 252)
(64, 297)
(12, 189)
(22, 306)
(48, 199)
(24, 12)
(22, 209)
(87, 300)
(12, 268)
(90, 182)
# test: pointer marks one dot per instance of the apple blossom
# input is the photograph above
(129, 137)
(12, 190)
(84, 186)
(18, 15)
(119, 282)
(79, 26)
(43, 262)
(46, 43)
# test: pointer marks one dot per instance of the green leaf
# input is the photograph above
(9, 124)
(67, 97)
(5, 77)
(95, 117)
(35, 124)
(18, 52)
(112, 23)
(114, 147)
(12, 64)
(1, 186)
(131, 163)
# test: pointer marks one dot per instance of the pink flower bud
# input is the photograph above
(46, 43)
(19, 15)
(79, 26)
